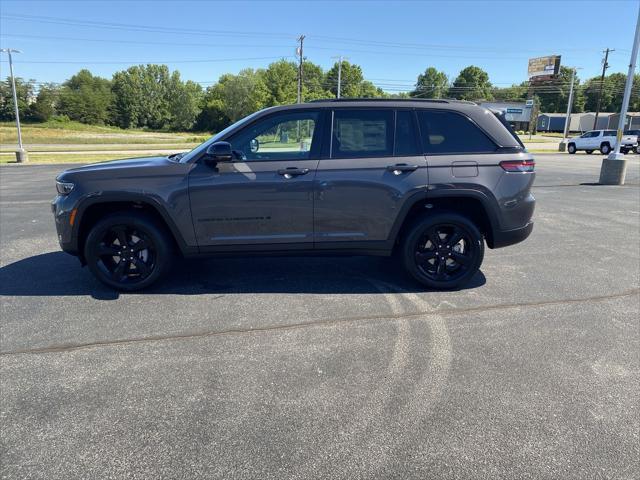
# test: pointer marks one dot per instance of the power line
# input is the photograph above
(126, 62)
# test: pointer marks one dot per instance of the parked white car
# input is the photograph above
(603, 140)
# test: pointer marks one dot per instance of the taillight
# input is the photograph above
(518, 165)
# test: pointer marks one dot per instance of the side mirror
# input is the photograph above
(219, 152)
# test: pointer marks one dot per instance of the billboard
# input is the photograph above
(543, 67)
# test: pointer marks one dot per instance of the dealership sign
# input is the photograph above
(543, 67)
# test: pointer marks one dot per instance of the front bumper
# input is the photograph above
(62, 215)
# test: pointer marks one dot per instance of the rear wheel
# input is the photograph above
(624, 151)
(588, 152)
(128, 251)
(605, 148)
(571, 148)
(443, 251)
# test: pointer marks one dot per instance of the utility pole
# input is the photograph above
(605, 65)
(21, 154)
(614, 167)
(299, 52)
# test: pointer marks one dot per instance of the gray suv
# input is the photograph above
(429, 180)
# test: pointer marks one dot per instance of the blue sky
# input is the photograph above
(392, 41)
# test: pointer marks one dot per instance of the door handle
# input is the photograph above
(399, 168)
(292, 172)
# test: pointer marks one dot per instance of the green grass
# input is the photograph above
(79, 133)
(7, 149)
(41, 158)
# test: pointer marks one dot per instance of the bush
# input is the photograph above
(59, 119)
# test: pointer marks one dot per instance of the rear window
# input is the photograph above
(450, 132)
(362, 133)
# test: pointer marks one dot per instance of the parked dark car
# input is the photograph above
(430, 180)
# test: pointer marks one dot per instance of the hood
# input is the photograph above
(122, 164)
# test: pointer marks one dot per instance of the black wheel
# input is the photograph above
(443, 250)
(128, 251)
(635, 149)
(624, 151)
(588, 152)
(605, 148)
(571, 148)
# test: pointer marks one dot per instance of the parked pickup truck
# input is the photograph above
(603, 140)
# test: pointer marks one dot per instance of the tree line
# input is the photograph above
(151, 96)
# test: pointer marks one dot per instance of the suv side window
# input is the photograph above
(406, 143)
(285, 136)
(450, 132)
(610, 133)
(362, 133)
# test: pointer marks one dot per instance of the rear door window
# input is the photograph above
(362, 133)
(446, 132)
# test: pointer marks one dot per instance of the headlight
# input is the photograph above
(64, 188)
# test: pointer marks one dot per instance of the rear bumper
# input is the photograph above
(504, 238)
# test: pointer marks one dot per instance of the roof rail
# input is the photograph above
(432, 100)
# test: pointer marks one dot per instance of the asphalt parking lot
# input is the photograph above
(330, 367)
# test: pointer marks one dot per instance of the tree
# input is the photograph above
(85, 98)
(612, 93)
(352, 82)
(46, 102)
(185, 102)
(24, 92)
(514, 93)
(472, 83)
(431, 84)
(554, 94)
(281, 82)
(242, 94)
(142, 97)
(212, 117)
(313, 85)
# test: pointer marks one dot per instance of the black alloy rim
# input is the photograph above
(126, 254)
(444, 253)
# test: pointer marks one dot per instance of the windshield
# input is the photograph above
(188, 156)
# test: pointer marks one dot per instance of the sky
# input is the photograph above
(393, 41)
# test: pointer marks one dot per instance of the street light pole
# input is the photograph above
(21, 154)
(569, 104)
(339, 74)
(614, 167)
(340, 60)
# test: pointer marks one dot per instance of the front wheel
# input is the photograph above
(443, 251)
(605, 148)
(571, 148)
(128, 251)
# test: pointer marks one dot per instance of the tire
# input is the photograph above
(605, 148)
(571, 148)
(624, 151)
(148, 262)
(462, 259)
(588, 152)
(635, 150)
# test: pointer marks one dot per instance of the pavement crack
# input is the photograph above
(318, 323)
